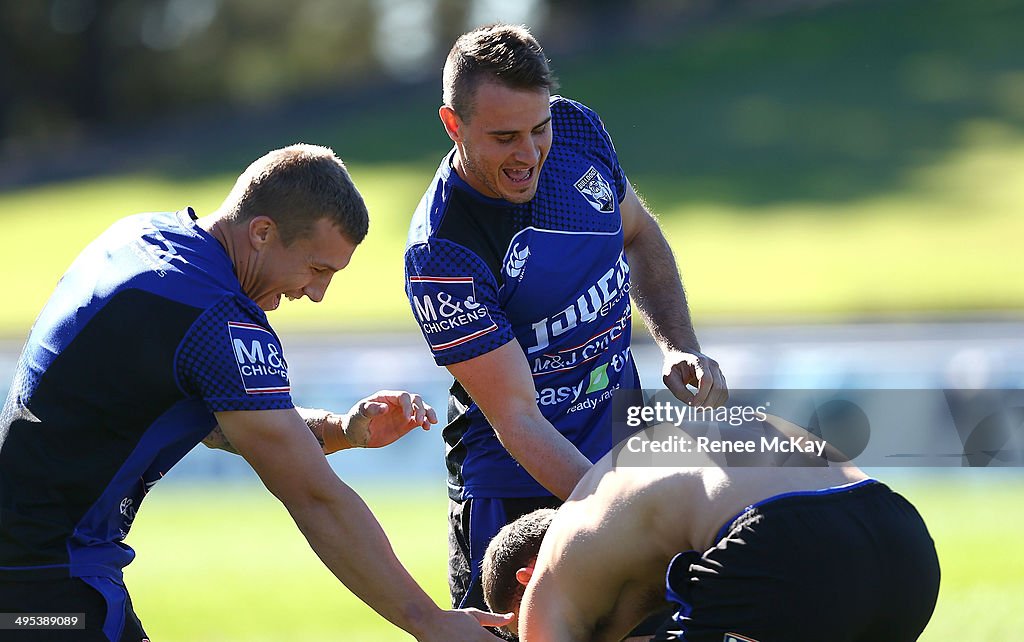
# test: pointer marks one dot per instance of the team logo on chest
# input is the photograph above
(596, 190)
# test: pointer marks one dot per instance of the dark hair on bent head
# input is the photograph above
(296, 186)
(508, 54)
(514, 547)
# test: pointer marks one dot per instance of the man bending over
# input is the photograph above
(811, 551)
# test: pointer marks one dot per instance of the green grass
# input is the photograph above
(945, 242)
(228, 564)
(982, 578)
(949, 240)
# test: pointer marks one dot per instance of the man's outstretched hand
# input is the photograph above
(460, 625)
(386, 416)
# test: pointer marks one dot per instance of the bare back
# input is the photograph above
(602, 565)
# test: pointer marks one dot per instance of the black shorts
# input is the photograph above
(854, 564)
(104, 602)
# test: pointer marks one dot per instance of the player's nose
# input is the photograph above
(315, 294)
(316, 290)
(528, 151)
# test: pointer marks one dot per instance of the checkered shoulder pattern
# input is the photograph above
(579, 126)
(579, 142)
(208, 367)
(444, 259)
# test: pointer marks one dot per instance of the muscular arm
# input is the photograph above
(500, 383)
(315, 420)
(548, 614)
(372, 422)
(588, 585)
(654, 280)
(657, 290)
(338, 525)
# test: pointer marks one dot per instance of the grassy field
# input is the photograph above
(845, 162)
(949, 240)
(229, 565)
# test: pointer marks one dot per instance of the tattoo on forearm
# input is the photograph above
(315, 425)
(216, 439)
(316, 420)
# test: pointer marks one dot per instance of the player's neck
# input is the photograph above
(234, 240)
(459, 167)
(219, 229)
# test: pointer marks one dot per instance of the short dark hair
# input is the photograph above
(296, 186)
(514, 547)
(508, 54)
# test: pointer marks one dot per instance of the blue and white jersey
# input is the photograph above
(550, 274)
(146, 336)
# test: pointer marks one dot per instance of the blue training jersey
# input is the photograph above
(550, 274)
(146, 336)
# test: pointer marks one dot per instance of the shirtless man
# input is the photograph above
(813, 550)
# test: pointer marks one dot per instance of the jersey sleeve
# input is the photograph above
(232, 360)
(454, 300)
(588, 129)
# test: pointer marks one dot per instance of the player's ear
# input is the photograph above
(452, 122)
(261, 230)
(523, 575)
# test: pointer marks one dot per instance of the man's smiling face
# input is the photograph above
(503, 143)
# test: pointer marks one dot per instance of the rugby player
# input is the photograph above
(522, 258)
(809, 551)
(158, 333)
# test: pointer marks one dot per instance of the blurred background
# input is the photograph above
(842, 183)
